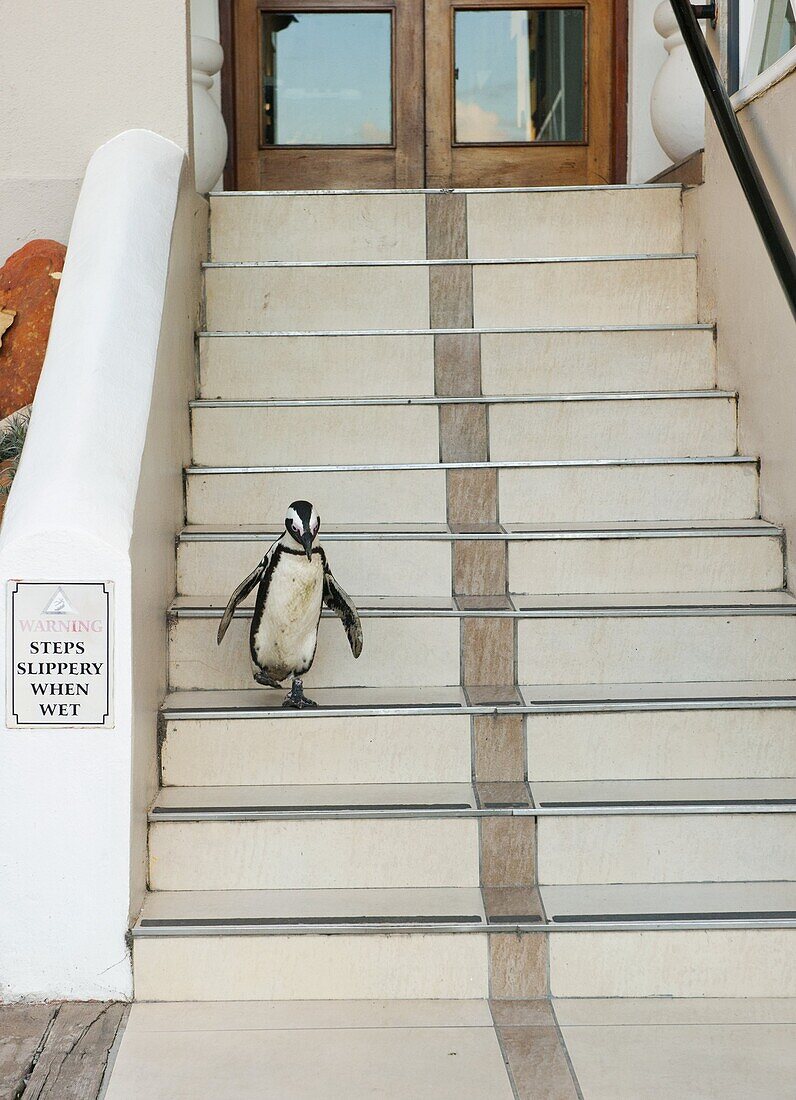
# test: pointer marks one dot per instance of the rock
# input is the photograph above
(29, 282)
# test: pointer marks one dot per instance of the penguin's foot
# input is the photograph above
(263, 678)
(296, 698)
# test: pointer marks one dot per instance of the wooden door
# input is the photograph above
(519, 95)
(328, 94)
(412, 93)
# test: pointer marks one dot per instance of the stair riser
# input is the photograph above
(560, 494)
(410, 433)
(665, 744)
(602, 429)
(365, 567)
(597, 362)
(380, 227)
(277, 854)
(317, 299)
(296, 367)
(651, 649)
(311, 967)
(719, 847)
(671, 564)
(628, 292)
(304, 367)
(367, 749)
(315, 435)
(720, 963)
(379, 496)
(574, 223)
(397, 652)
(596, 493)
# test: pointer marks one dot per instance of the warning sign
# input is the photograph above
(60, 654)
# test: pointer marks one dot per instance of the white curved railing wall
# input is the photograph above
(87, 504)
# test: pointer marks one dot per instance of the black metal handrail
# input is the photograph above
(741, 157)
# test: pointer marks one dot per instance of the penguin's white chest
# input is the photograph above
(285, 638)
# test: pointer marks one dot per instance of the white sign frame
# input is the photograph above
(60, 598)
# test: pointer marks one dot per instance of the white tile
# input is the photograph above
(706, 847)
(595, 649)
(315, 435)
(298, 967)
(253, 904)
(667, 898)
(574, 223)
(295, 367)
(586, 293)
(305, 795)
(638, 1011)
(682, 963)
(318, 227)
(366, 749)
(567, 494)
(176, 1016)
(364, 567)
(635, 428)
(603, 361)
(640, 564)
(361, 496)
(342, 853)
(396, 652)
(662, 744)
(312, 299)
(729, 1062)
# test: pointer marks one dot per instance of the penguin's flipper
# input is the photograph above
(337, 600)
(240, 593)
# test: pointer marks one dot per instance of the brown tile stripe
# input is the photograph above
(517, 965)
(498, 747)
(534, 1050)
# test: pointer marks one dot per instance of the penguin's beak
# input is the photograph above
(306, 541)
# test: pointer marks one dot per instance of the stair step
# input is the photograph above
(373, 225)
(425, 835)
(405, 561)
(616, 638)
(664, 831)
(640, 638)
(206, 944)
(356, 364)
(318, 296)
(391, 430)
(562, 492)
(411, 736)
(534, 699)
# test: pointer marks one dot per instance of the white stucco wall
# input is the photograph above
(73, 73)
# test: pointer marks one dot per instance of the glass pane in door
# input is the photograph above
(326, 78)
(519, 75)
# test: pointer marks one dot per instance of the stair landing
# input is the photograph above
(651, 1049)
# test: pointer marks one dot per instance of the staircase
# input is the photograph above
(561, 765)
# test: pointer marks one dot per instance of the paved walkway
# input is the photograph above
(459, 1050)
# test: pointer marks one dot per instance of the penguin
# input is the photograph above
(294, 581)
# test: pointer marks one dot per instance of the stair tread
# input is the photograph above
(614, 903)
(194, 802)
(536, 697)
(480, 399)
(201, 532)
(658, 898)
(778, 602)
(215, 265)
(507, 464)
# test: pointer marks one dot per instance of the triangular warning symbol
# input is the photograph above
(58, 604)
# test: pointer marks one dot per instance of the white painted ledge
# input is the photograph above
(65, 795)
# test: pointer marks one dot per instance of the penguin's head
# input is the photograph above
(302, 523)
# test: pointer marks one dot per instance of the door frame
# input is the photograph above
(619, 121)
